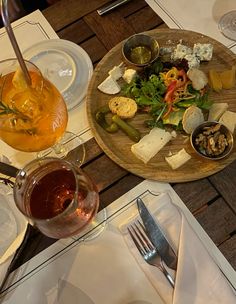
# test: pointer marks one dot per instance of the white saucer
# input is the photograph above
(65, 64)
(13, 224)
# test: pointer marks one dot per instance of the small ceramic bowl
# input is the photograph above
(207, 135)
(140, 50)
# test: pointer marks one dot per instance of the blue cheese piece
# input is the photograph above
(181, 51)
(129, 75)
(165, 50)
(193, 61)
(203, 51)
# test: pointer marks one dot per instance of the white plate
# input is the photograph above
(65, 64)
(13, 224)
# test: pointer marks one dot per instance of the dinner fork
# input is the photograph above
(147, 250)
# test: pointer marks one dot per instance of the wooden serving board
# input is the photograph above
(118, 146)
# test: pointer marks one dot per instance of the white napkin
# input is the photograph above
(12, 228)
(198, 279)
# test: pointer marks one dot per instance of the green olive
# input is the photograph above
(100, 117)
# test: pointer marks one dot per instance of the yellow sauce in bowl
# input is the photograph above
(140, 54)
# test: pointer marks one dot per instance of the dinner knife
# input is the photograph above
(111, 6)
(157, 237)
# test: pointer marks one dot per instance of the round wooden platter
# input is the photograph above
(118, 146)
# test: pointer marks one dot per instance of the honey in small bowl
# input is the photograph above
(141, 54)
(140, 50)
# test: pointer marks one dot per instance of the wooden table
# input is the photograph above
(211, 200)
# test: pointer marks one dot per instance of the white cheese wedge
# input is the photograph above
(129, 75)
(116, 72)
(228, 119)
(178, 159)
(109, 86)
(151, 144)
(216, 110)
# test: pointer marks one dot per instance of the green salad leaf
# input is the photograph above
(145, 92)
(174, 118)
(148, 90)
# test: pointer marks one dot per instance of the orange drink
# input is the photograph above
(32, 117)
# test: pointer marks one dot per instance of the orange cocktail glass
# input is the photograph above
(32, 117)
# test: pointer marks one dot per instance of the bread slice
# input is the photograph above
(109, 86)
(216, 110)
(192, 118)
(228, 119)
(178, 159)
(151, 144)
(123, 106)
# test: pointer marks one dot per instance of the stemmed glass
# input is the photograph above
(56, 196)
(227, 25)
(33, 114)
(33, 118)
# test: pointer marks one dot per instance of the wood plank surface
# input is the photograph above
(196, 194)
(219, 213)
(225, 183)
(65, 12)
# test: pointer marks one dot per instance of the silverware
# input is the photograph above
(147, 250)
(111, 6)
(8, 170)
(157, 236)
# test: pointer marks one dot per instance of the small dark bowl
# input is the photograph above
(140, 40)
(223, 130)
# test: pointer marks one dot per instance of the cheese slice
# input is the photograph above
(109, 86)
(116, 72)
(228, 119)
(178, 159)
(151, 144)
(216, 110)
(129, 75)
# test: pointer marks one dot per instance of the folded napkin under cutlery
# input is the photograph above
(156, 235)
(198, 278)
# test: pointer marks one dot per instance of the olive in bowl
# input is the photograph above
(140, 50)
(212, 140)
